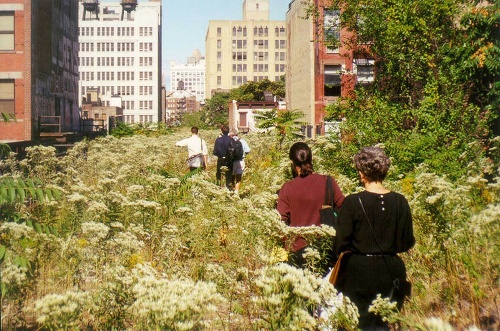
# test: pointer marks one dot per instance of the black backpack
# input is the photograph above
(234, 152)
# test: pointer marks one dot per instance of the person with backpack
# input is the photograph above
(220, 150)
(197, 150)
(241, 149)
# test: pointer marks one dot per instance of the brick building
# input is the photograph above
(38, 67)
(318, 75)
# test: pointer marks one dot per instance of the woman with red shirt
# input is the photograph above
(301, 198)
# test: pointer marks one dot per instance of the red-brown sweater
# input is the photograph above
(300, 201)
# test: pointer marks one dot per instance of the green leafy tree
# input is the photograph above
(435, 89)
(286, 123)
(216, 108)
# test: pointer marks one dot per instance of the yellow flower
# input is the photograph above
(279, 254)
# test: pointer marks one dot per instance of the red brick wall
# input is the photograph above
(19, 61)
(343, 57)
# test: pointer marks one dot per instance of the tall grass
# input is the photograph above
(133, 226)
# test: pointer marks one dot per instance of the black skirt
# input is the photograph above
(365, 276)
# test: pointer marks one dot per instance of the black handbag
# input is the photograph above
(329, 214)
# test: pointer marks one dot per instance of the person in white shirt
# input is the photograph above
(239, 166)
(197, 150)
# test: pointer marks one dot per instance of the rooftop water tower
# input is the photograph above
(91, 6)
(128, 6)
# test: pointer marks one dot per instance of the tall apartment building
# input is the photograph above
(191, 74)
(245, 50)
(38, 66)
(316, 74)
(120, 55)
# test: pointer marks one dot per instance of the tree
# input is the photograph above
(216, 108)
(285, 123)
(435, 88)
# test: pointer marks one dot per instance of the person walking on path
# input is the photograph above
(301, 199)
(239, 165)
(220, 150)
(375, 225)
(197, 150)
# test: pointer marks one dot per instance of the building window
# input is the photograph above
(333, 87)
(280, 44)
(332, 30)
(7, 99)
(219, 44)
(219, 80)
(219, 31)
(219, 56)
(6, 31)
(364, 71)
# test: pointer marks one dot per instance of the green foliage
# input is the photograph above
(410, 136)
(145, 238)
(285, 123)
(4, 148)
(149, 129)
(254, 91)
(197, 119)
(122, 129)
(436, 84)
(216, 108)
(21, 190)
(7, 117)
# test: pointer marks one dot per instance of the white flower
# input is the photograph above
(94, 231)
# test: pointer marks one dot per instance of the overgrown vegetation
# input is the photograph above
(134, 243)
(436, 88)
(149, 129)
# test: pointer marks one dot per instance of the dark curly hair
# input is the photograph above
(301, 156)
(373, 163)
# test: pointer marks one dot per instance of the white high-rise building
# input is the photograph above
(189, 76)
(120, 54)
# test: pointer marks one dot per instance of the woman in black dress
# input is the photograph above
(375, 225)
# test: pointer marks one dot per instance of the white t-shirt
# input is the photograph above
(195, 145)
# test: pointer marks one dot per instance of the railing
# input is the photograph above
(89, 125)
(47, 123)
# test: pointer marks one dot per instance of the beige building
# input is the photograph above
(242, 114)
(245, 50)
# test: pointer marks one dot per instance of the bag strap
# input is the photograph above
(329, 194)
(395, 282)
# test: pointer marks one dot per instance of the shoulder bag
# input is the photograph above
(329, 214)
(193, 160)
(339, 267)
